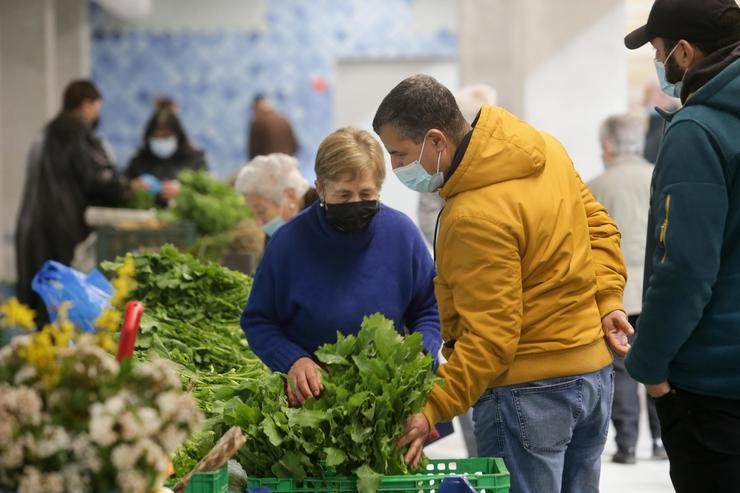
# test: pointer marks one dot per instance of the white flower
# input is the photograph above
(153, 455)
(115, 405)
(75, 479)
(86, 453)
(55, 440)
(12, 458)
(172, 437)
(31, 481)
(168, 403)
(129, 427)
(7, 427)
(124, 457)
(160, 371)
(53, 482)
(101, 426)
(131, 482)
(26, 373)
(150, 422)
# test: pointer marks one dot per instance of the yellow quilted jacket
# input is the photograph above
(528, 263)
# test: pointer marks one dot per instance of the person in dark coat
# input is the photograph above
(269, 132)
(68, 170)
(165, 152)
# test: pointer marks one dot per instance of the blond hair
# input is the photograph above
(348, 153)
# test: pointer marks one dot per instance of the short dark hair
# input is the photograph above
(729, 24)
(259, 97)
(418, 104)
(77, 92)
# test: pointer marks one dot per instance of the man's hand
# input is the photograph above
(616, 329)
(304, 381)
(417, 431)
(658, 390)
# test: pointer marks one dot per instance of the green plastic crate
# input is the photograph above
(113, 242)
(486, 474)
(209, 482)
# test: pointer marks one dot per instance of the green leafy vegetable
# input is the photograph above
(212, 205)
(373, 381)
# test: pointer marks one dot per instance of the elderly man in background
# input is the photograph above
(624, 189)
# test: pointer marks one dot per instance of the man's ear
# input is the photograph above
(319, 190)
(438, 139)
(686, 54)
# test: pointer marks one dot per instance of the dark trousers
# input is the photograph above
(626, 405)
(702, 437)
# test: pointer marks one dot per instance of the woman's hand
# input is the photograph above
(304, 381)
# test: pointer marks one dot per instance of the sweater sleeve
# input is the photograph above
(260, 319)
(484, 286)
(689, 210)
(422, 315)
(611, 273)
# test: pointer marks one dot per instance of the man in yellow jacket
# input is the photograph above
(530, 279)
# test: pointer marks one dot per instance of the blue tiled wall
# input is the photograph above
(214, 75)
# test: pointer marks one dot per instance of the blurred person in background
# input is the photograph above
(269, 131)
(165, 151)
(469, 99)
(274, 189)
(687, 349)
(655, 99)
(68, 170)
(345, 257)
(624, 189)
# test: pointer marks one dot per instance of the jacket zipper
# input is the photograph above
(664, 227)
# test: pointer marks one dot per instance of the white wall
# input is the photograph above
(578, 86)
(362, 85)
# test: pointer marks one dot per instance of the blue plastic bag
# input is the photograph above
(88, 295)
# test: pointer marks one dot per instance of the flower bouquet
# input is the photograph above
(72, 419)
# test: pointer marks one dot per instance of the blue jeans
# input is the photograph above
(550, 433)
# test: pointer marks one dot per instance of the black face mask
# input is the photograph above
(351, 217)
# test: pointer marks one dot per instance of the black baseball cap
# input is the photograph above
(692, 20)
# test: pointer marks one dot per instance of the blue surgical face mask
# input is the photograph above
(163, 147)
(414, 176)
(673, 90)
(271, 226)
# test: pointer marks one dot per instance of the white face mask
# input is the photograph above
(163, 147)
(673, 90)
(414, 176)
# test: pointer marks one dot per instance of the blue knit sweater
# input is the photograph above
(315, 280)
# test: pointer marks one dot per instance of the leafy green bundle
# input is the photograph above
(373, 382)
(191, 317)
(212, 205)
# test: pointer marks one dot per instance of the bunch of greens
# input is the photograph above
(212, 205)
(192, 311)
(373, 382)
(191, 317)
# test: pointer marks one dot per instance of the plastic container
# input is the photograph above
(209, 482)
(486, 475)
(113, 242)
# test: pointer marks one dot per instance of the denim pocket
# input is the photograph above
(547, 414)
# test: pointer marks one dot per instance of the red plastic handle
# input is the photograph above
(129, 330)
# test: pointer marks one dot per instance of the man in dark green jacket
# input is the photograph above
(687, 349)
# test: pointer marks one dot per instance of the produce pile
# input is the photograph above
(373, 382)
(213, 206)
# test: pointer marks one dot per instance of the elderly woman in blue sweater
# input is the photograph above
(344, 257)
